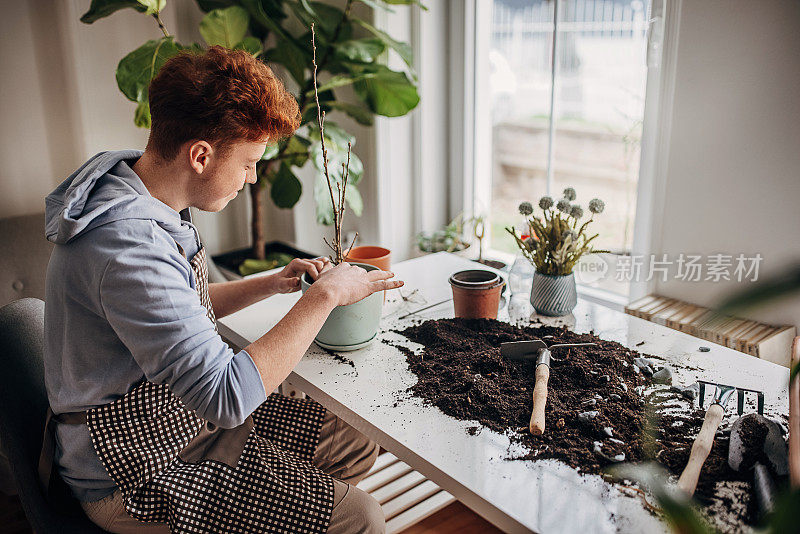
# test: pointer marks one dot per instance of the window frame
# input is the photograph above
(467, 162)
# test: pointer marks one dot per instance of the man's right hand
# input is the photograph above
(347, 284)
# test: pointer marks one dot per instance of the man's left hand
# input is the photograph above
(288, 280)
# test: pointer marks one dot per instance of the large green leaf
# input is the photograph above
(359, 50)
(271, 151)
(251, 45)
(296, 151)
(402, 49)
(340, 80)
(360, 114)
(336, 140)
(337, 158)
(322, 200)
(377, 4)
(290, 55)
(135, 71)
(387, 93)
(141, 116)
(103, 8)
(266, 16)
(286, 188)
(225, 27)
(210, 5)
(325, 17)
(354, 200)
(406, 3)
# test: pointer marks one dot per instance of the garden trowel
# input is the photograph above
(761, 449)
(538, 349)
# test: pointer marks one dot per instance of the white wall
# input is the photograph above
(733, 161)
(60, 105)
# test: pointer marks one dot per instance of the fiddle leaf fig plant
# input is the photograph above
(351, 53)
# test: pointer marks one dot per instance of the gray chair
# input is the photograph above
(23, 263)
(23, 405)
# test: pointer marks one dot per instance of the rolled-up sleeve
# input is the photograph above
(146, 296)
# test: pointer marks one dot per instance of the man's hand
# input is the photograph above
(347, 283)
(288, 280)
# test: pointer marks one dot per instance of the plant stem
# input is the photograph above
(338, 208)
(321, 122)
(163, 28)
(256, 221)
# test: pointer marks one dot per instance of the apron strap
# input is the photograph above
(47, 456)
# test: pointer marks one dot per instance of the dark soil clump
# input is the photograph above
(461, 371)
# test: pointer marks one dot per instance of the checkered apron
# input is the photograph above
(174, 467)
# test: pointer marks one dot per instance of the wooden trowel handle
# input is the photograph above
(539, 399)
(700, 449)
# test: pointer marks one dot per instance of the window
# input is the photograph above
(541, 126)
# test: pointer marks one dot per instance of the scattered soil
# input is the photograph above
(339, 358)
(461, 371)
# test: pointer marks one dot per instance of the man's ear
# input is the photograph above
(199, 156)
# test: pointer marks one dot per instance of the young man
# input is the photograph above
(159, 426)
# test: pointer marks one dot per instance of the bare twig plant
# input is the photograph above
(341, 188)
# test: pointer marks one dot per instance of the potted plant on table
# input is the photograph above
(353, 326)
(351, 50)
(554, 245)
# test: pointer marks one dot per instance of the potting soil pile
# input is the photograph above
(601, 407)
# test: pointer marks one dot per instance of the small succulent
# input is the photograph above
(576, 212)
(596, 205)
(563, 205)
(569, 194)
(526, 208)
(546, 202)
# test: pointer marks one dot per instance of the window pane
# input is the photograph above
(600, 89)
(602, 75)
(520, 85)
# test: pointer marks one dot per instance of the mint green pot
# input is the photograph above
(353, 326)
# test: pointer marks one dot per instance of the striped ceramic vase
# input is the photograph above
(553, 295)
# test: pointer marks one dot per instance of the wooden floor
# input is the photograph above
(455, 518)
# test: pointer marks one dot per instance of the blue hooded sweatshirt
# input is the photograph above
(121, 307)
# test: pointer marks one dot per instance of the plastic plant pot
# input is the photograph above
(353, 326)
(476, 293)
(378, 256)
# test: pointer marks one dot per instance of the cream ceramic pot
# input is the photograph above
(353, 326)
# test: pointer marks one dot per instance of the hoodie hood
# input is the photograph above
(104, 190)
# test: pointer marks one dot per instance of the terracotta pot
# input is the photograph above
(476, 293)
(378, 256)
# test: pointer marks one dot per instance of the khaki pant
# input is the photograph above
(342, 452)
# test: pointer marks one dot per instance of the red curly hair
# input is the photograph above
(219, 96)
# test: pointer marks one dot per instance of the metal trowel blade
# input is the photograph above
(522, 350)
(774, 445)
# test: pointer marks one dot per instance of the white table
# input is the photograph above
(517, 496)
